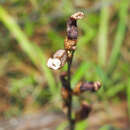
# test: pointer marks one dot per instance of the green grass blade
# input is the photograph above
(32, 50)
(114, 90)
(56, 40)
(80, 73)
(89, 33)
(102, 40)
(121, 28)
(102, 75)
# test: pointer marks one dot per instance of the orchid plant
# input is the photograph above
(58, 60)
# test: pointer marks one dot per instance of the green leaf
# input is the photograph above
(82, 125)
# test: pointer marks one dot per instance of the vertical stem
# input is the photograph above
(71, 122)
(70, 45)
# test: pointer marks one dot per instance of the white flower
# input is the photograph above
(54, 63)
(58, 60)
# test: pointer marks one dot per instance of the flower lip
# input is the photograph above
(54, 63)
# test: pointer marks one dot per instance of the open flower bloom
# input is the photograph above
(54, 63)
(58, 60)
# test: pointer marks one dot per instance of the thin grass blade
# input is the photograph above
(32, 50)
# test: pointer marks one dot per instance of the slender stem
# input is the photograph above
(71, 121)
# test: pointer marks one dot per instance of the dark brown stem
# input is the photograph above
(70, 46)
(71, 121)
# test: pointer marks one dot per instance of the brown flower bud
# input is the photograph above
(58, 60)
(87, 86)
(72, 30)
(90, 86)
(83, 112)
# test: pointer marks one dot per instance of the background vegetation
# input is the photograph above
(31, 30)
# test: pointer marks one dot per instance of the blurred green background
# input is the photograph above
(32, 30)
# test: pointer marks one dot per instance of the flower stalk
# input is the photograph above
(58, 60)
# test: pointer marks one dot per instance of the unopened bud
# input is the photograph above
(72, 31)
(83, 112)
(58, 60)
(87, 86)
(90, 86)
